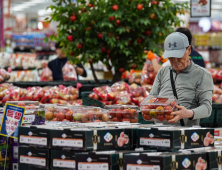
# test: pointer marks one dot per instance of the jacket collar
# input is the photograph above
(186, 70)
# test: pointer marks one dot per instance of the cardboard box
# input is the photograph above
(14, 150)
(94, 161)
(92, 139)
(163, 161)
(63, 160)
(34, 136)
(14, 165)
(33, 158)
(102, 160)
(175, 138)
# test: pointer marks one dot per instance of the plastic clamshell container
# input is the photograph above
(80, 114)
(123, 113)
(158, 108)
(58, 113)
(29, 105)
(89, 114)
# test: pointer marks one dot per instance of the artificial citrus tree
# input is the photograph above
(115, 32)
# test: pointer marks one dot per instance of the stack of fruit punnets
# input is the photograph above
(158, 108)
(76, 114)
(120, 93)
(57, 94)
(123, 113)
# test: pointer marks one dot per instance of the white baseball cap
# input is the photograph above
(175, 45)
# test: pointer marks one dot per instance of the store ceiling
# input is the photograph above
(35, 6)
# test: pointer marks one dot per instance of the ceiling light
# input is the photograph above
(22, 6)
(40, 25)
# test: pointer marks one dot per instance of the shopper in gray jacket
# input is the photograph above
(194, 84)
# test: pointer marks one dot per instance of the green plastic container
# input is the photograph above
(218, 113)
(211, 118)
(87, 101)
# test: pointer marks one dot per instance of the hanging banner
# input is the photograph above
(12, 119)
(200, 8)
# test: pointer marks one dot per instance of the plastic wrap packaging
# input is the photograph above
(69, 72)
(46, 74)
(148, 75)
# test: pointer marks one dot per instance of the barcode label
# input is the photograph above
(93, 166)
(33, 140)
(33, 160)
(64, 163)
(142, 167)
(28, 119)
(78, 143)
(155, 142)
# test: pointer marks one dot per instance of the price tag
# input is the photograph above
(32, 160)
(15, 152)
(142, 167)
(78, 143)
(64, 163)
(28, 119)
(93, 166)
(155, 142)
(33, 140)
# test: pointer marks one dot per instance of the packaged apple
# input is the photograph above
(158, 108)
(123, 113)
(69, 72)
(120, 86)
(29, 105)
(90, 114)
(58, 113)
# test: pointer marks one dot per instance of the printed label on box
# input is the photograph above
(28, 118)
(186, 163)
(93, 166)
(195, 137)
(64, 163)
(15, 152)
(142, 167)
(158, 100)
(33, 140)
(155, 142)
(14, 166)
(32, 160)
(78, 143)
(108, 137)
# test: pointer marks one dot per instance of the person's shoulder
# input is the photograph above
(164, 69)
(201, 69)
(195, 53)
(53, 61)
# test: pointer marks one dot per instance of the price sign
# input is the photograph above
(200, 8)
(12, 119)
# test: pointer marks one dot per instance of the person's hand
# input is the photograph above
(150, 56)
(180, 114)
(163, 60)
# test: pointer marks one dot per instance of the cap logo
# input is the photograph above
(174, 44)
